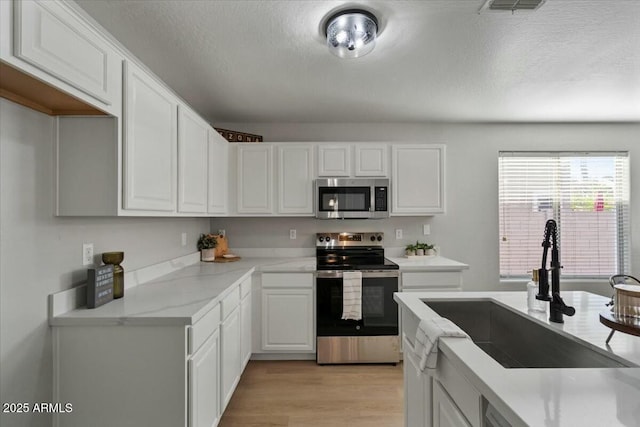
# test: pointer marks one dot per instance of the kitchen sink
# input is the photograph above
(516, 341)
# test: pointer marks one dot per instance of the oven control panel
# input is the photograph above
(324, 240)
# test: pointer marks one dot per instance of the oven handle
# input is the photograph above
(366, 274)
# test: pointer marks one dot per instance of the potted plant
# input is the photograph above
(410, 250)
(419, 248)
(429, 249)
(207, 246)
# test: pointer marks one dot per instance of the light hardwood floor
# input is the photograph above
(304, 394)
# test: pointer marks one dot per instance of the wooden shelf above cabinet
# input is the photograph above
(25, 90)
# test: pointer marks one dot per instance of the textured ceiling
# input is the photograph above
(435, 60)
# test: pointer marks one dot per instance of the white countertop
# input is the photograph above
(549, 397)
(428, 263)
(184, 296)
(179, 298)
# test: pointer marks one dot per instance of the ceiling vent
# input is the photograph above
(510, 5)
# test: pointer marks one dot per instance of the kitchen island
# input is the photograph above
(522, 396)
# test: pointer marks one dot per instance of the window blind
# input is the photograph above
(588, 196)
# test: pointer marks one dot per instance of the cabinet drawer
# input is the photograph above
(230, 302)
(203, 328)
(287, 280)
(466, 397)
(436, 279)
(245, 287)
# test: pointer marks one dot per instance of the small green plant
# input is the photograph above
(411, 248)
(207, 241)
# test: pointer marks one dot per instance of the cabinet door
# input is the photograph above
(230, 357)
(445, 411)
(254, 180)
(150, 143)
(218, 170)
(417, 392)
(371, 159)
(245, 334)
(287, 319)
(295, 179)
(193, 144)
(204, 384)
(334, 160)
(53, 39)
(417, 179)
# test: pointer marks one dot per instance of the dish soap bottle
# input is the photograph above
(534, 304)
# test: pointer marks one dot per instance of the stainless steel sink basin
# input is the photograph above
(516, 341)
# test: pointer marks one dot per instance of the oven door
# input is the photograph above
(379, 310)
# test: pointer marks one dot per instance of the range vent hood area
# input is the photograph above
(30, 92)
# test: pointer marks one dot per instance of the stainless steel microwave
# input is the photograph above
(354, 198)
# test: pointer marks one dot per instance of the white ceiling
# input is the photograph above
(435, 60)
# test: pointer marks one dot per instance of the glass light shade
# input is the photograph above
(351, 33)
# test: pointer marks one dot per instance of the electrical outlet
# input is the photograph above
(87, 253)
(184, 239)
(426, 229)
(222, 232)
(292, 234)
(398, 233)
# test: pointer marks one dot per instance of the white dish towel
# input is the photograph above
(427, 335)
(351, 295)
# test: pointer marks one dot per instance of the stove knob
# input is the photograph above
(373, 238)
(379, 238)
(321, 238)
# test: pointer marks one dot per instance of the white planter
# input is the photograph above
(208, 255)
(419, 252)
(430, 252)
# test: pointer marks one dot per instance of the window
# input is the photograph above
(588, 196)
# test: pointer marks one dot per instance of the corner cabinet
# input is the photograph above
(417, 179)
(150, 143)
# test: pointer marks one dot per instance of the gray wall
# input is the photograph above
(468, 232)
(41, 254)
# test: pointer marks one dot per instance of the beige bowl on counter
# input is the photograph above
(627, 301)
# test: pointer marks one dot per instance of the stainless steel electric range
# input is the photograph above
(373, 338)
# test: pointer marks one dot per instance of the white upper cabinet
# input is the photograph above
(218, 170)
(371, 159)
(254, 179)
(50, 37)
(295, 179)
(193, 145)
(334, 160)
(150, 143)
(417, 182)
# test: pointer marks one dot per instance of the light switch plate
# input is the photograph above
(426, 229)
(292, 234)
(398, 233)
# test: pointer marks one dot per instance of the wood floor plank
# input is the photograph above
(304, 394)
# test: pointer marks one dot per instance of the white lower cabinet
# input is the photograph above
(184, 375)
(245, 322)
(230, 356)
(445, 411)
(204, 381)
(417, 392)
(288, 312)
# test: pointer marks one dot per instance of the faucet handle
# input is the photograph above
(566, 309)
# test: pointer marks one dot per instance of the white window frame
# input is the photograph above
(622, 203)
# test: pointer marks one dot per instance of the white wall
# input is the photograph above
(41, 254)
(468, 232)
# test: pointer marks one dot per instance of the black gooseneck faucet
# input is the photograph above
(557, 305)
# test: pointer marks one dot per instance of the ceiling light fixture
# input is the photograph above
(351, 33)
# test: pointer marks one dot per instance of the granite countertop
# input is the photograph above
(549, 396)
(428, 263)
(181, 297)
